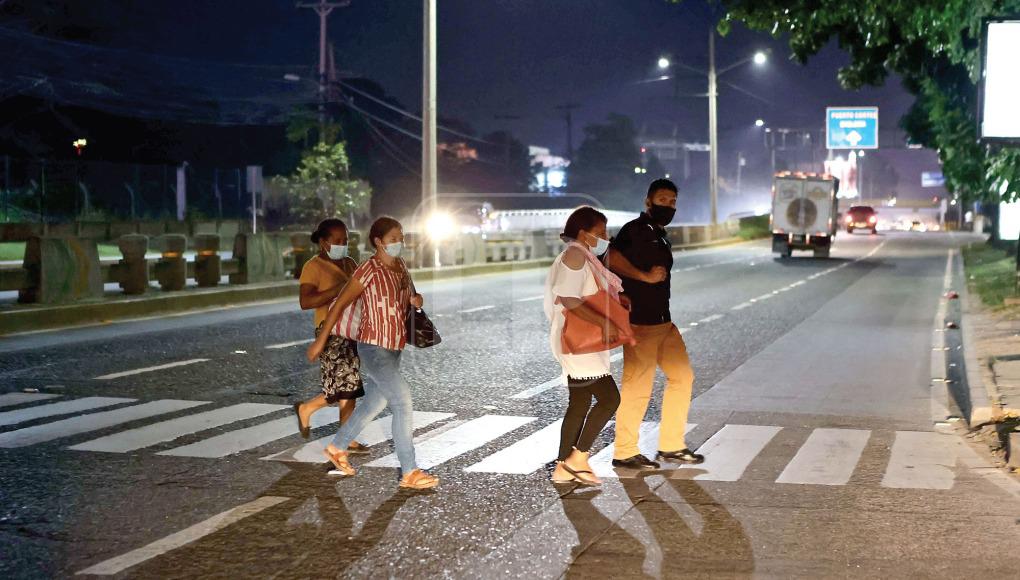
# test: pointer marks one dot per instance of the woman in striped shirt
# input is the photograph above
(383, 287)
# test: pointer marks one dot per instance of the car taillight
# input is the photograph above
(872, 219)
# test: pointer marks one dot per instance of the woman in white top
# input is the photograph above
(575, 274)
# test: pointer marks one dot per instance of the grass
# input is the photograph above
(991, 273)
(16, 251)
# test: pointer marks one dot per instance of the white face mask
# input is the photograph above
(394, 249)
(600, 246)
(337, 252)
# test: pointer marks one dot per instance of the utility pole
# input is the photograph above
(323, 8)
(429, 166)
(568, 109)
(713, 137)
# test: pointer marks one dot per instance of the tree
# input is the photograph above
(604, 165)
(933, 46)
(323, 186)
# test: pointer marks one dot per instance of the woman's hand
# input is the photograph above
(625, 302)
(610, 334)
(315, 349)
(417, 301)
(655, 275)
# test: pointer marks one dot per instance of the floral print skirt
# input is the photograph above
(340, 369)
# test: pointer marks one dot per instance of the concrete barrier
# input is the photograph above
(132, 272)
(259, 259)
(171, 269)
(61, 269)
(208, 262)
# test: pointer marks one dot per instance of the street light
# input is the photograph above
(760, 57)
(759, 122)
(664, 63)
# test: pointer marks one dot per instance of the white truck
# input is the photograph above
(804, 213)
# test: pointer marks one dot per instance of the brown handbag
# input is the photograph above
(583, 337)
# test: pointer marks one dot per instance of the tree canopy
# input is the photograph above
(934, 46)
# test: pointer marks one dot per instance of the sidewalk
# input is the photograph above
(994, 341)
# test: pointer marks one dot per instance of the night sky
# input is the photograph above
(520, 58)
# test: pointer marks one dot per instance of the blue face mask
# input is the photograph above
(600, 246)
(337, 252)
(394, 249)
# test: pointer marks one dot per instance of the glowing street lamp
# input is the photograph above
(760, 58)
(664, 63)
(759, 122)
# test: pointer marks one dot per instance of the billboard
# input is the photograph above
(851, 127)
(1000, 83)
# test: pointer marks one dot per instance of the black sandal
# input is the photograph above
(305, 430)
(577, 475)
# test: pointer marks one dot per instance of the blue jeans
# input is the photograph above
(384, 386)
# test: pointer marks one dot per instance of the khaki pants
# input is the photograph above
(660, 346)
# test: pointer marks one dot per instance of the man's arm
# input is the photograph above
(618, 263)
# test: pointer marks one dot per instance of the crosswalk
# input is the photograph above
(491, 443)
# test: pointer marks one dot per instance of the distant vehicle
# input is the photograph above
(916, 226)
(861, 217)
(804, 213)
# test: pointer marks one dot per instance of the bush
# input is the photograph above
(755, 227)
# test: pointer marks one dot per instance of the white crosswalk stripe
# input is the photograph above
(729, 452)
(471, 435)
(92, 422)
(376, 432)
(921, 460)
(11, 399)
(828, 457)
(525, 456)
(61, 408)
(169, 430)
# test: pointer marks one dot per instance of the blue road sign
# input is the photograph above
(851, 127)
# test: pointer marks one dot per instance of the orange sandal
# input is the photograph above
(339, 460)
(419, 479)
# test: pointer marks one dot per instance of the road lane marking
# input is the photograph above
(921, 460)
(183, 537)
(525, 456)
(290, 344)
(156, 433)
(529, 299)
(11, 399)
(92, 422)
(538, 389)
(374, 433)
(742, 306)
(711, 318)
(462, 439)
(61, 408)
(729, 452)
(478, 309)
(828, 457)
(151, 369)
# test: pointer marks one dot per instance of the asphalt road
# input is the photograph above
(165, 447)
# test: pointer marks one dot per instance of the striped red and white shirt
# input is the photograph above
(378, 316)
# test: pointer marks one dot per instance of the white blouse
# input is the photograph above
(566, 283)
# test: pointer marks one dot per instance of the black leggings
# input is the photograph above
(583, 423)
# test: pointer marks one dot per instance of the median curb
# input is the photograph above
(30, 318)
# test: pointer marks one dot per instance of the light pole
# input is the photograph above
(759, 58)
(323, 8)
(429, 178)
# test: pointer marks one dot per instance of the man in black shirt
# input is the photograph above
(643, 256)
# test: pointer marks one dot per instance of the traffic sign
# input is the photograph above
(932, 179)
(851, 127)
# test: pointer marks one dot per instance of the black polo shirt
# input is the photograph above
(645, 245)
